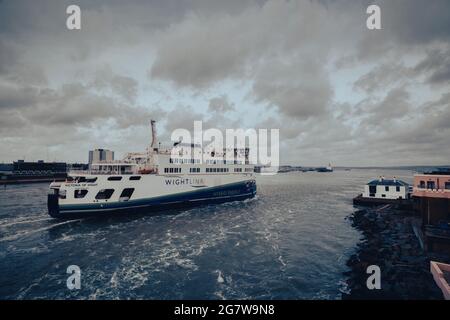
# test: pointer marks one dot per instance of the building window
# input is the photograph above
(430, 185)
(397, 188)
(114, 178)
(126, 194)
(383, 195)
(422, 184)
(447, 185)
(80, 193)
(104, 194)
(135, 178)
(86, 180)
(386, 188)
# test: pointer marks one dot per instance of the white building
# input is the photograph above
(386, 189)
(99, 155)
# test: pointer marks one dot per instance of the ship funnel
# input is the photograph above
(152, 123)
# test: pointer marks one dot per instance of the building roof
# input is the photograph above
(387, 182)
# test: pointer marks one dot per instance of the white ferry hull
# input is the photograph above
(151, 194)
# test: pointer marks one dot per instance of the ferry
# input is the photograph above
(153, 180)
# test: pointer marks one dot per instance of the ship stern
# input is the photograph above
(53, 205)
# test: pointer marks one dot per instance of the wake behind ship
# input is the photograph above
(154, 180)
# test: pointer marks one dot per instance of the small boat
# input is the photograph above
(329, 168)
(154, 180)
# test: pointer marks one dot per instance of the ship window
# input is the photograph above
(80, 193)
(135, 178)
(430, 185)
(91, 180)
(114, 178)
(104, 194)
(126, 194)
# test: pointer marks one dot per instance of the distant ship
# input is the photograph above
(153, 180)
(329, 168)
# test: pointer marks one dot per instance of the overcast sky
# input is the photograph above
(337, 91)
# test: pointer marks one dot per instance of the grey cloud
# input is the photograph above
(395, 105)
(299, 90)
(220, 104)
(13, 96)
(123, 86)
(73, 105)
(55, 83)
(384, 76)
(436, 65)
(417, 22)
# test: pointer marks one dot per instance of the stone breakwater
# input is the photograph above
(390, 243)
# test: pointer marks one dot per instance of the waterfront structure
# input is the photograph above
(184, 175)
(432, 194)
(432, 201)
(40, 167)
(99, 155)
(441, 275)
(386, 189)
(22, 171)
(6, 168)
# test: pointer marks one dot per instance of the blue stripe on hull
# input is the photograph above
(230, 192)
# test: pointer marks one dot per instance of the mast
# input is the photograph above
(153, 144)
